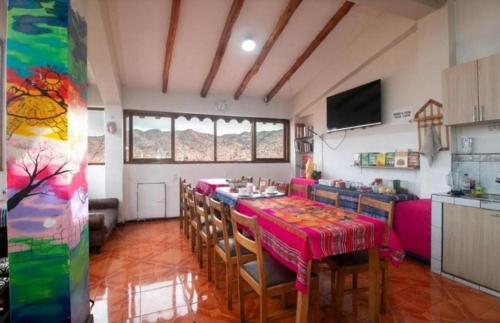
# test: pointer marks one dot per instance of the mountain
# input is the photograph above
(191, 145)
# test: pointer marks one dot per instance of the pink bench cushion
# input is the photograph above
(412, 224)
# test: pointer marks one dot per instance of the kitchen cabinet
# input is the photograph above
(460, 94)
(490, 269)
(489, 88)
(461, 241)
(471, 237)
(471, 91)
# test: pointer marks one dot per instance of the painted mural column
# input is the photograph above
(46, 160)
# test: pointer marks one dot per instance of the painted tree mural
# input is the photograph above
(46, 160)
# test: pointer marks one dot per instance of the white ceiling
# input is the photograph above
(139, 32)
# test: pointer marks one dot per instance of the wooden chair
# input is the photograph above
(181, 203)
(333, 196)
(282, 187)
(186, 210)
(263, 182)
(264, 274)
(304, 189)
(224, 247)
(192, 218)
(204, 237)
(357, 262)
(247, 179)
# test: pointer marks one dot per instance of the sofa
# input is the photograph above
(103, 216)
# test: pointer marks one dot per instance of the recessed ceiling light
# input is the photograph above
(248, 45)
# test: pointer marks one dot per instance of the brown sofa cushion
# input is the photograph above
(99, 204)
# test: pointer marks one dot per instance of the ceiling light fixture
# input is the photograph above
(248, 45)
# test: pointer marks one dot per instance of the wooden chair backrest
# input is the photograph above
(282, 187)
(299, 188)
(334, 196)
(200, 207)
(247, 179)
(253, 245)
(264, 181)
(181, 188)
(219, 221)
(191, 204)
(387, 207)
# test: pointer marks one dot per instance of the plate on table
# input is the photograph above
(272, 193)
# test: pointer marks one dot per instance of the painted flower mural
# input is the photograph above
(46, 161)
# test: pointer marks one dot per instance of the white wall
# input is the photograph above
(477, 29)
(154, 100)
(409, 61)
(96, 174)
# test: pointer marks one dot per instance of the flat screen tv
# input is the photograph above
(355, 108)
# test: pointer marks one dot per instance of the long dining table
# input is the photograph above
(298, 232)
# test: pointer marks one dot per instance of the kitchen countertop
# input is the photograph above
(484, 197)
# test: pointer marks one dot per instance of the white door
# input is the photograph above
(151, 201)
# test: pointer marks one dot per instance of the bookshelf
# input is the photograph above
(402, 160)
(304, 146)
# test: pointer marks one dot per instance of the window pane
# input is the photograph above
(151, 137)
(234, 140)
(96, 137)
(270, 140)
(194, 139)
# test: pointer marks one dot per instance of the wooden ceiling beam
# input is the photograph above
(273, 37)
(172, 30)
(332, 23)
(221, 47)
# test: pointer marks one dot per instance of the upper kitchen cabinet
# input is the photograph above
(471, 91)
(460, 94)
(489, 88)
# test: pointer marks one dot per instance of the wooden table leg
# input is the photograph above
(374, 286)
(303, 299)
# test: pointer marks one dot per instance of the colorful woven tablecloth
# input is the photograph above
(302, 181)
(296, 230)
(349, 199)
(208, 186)
(224, 195)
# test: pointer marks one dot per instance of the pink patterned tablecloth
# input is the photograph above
(296, 230)
(208, 186)
(302, 181)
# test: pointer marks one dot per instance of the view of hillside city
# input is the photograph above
(194, 140)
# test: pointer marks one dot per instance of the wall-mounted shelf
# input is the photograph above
(388, 167)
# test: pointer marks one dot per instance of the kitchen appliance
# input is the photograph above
(453, 179)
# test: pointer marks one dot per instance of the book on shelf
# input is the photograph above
(302, 131)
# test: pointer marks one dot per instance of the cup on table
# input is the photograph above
(271, 189)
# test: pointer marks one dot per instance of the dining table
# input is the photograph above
(299, 232)
(224, 195)
(207, 186)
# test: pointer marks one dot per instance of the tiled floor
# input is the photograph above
(147, 273)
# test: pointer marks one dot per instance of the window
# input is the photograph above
(270, 140)
(96, 128)
(161, 137)
(194, 139)
(151, 137)
(234, 140)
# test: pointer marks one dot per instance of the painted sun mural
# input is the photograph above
(46, 161)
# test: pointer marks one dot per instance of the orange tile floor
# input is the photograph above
(147, 273)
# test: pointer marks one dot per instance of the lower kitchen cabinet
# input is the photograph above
(471, 244)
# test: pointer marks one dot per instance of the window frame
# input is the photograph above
(173, 115)
(104, 112)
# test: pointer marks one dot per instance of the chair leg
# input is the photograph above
(199, 250)
(193, 240)
(229, 286)
(333, 287)
(216, 270)
(339, 294)
(263, 309)
(210, 251)
(241, 297)
(383, 301)
(354, 281)
(317, 301)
